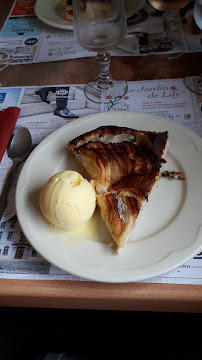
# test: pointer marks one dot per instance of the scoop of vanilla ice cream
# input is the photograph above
(67, 200)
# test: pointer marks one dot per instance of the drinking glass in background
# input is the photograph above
(100, 25)
(198, 13)
(165, 42)
(195, 84)
(5, 58)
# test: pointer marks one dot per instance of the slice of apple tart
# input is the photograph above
(123, 165)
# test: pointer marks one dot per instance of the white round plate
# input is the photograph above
(52, 12)
(168, 232)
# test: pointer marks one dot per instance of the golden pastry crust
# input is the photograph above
(89, 8)
(69, 9)
(177, 175)
(123, 165)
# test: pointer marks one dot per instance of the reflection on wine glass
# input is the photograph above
(100, 25)
(165, 42)
(5, 58)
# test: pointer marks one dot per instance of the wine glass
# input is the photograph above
(165, 42)
(5, 58)
(195, 84)
(100, 25)
(198, 13)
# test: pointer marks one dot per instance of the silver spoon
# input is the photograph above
(19, 150)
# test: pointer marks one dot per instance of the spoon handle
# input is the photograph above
(3, 196)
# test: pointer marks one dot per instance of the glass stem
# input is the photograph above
(168, 18)
(105, 81)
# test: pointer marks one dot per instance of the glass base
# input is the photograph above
(5, 59)
(194, 84)
(169, 49)
(93, 92)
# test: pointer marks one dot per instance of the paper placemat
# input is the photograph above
(168, 98)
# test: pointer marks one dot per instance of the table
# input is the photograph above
(92, 295)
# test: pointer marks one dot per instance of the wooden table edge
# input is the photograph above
(100, 296)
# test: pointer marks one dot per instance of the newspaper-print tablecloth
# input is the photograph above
(168, 98)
